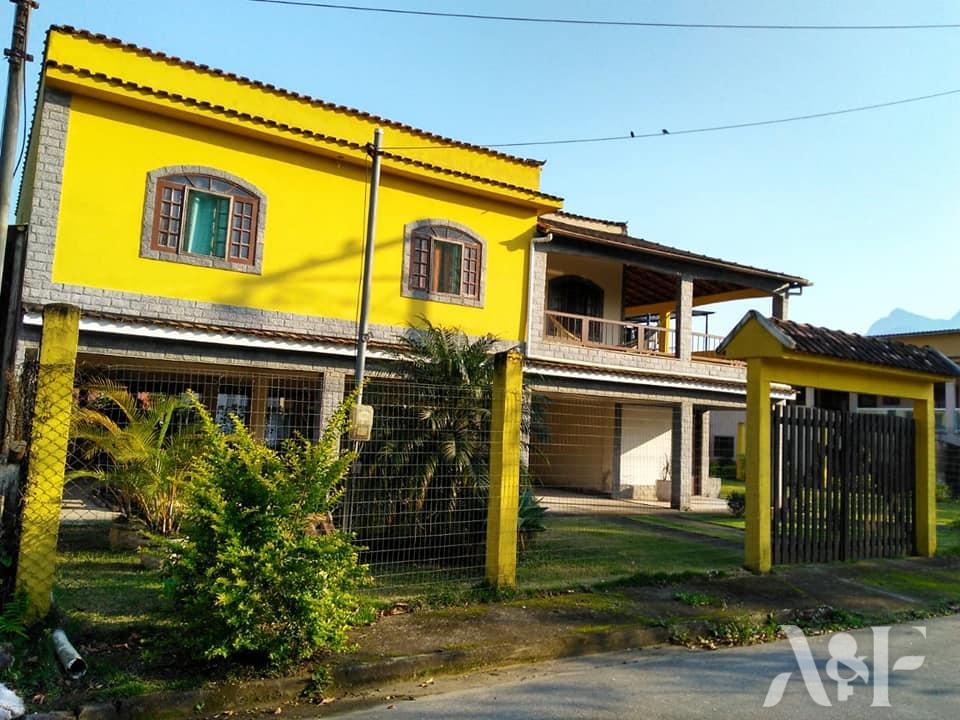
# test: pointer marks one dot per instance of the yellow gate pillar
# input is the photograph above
(504, 494)
(757, 550)
(925, 525)
(40, 523)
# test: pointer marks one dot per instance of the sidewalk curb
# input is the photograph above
(355, 677)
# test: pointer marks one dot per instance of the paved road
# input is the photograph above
(676, 683)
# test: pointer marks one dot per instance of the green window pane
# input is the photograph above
(449, 257)
(207, 219)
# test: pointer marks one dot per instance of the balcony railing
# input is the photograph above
(618, 335)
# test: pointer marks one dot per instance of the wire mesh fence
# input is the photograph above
(595, 483)
(602, 469)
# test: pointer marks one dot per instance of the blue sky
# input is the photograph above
(864, 205)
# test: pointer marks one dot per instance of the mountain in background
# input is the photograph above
(902, 321)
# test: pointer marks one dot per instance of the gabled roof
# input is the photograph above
(555, 223)
(386, 122)
(812, 340)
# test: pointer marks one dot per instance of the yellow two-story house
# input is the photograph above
(211, 229)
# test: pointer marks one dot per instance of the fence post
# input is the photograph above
(40, 524)
(501, 568)
(925, 526)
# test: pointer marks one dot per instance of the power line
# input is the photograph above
(690, 131)
(606, 23)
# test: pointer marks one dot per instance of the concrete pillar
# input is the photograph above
(809, 397)
(334, 381)
(703, 459)
(537, 304)
(504, 494)
(681, 461)
(684, 317)
(43, 495)
(781, 306)
(853, 401)
(757, 537)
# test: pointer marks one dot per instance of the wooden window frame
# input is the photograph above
(244, 228)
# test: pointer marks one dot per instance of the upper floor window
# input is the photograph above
(203, 217)
(443, 261)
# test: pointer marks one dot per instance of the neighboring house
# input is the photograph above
(945, 395)
(206, 221)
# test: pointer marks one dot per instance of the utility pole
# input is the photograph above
(363, 333)
(11, 263)
(16, 56)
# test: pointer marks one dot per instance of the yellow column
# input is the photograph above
(48, 454)
(663, 338)
(757, 550)
(740, 450)
(926, 510)
(504, 471)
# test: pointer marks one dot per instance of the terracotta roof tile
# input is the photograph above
(433, 137)
(859, 348)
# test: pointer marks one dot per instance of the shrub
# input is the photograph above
(737, 502)
(253, 574)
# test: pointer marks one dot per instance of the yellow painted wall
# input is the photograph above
(147, 70)
(314, 224)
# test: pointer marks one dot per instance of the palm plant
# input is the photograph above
(143, 457)
(426, 472)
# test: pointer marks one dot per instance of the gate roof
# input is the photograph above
(759, 336)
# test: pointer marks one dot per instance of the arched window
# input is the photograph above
(443, 261)
(203, 217)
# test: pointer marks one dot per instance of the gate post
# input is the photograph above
(925, 525)
(757, 549)
(40, 524)
(504, 493)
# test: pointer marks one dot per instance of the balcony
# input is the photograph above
(648, 338)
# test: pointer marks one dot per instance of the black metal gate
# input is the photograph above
(842, 485)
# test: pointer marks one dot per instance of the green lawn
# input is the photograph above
(729, 486)
(585, 550)
(948, 528)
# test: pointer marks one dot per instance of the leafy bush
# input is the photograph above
(737, 502)
(253, 574)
